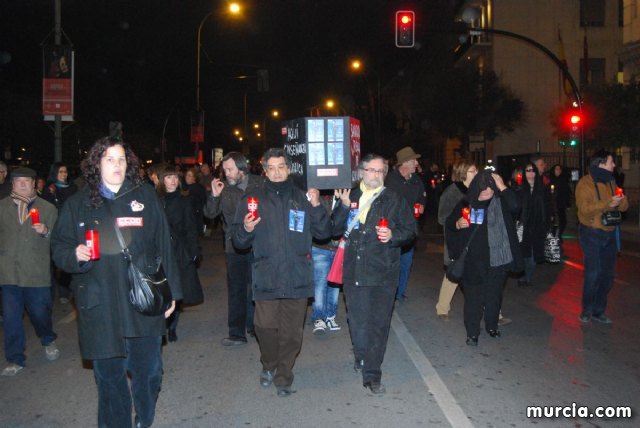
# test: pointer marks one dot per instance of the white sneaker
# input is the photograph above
(11, 369)
(319, 327)
(52, 351)
(332, 324)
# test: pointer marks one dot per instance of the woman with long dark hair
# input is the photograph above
(535, 216)
(184, 242)
(57, 187)
(121, 342)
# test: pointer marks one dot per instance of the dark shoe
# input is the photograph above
(251, 333)
(443, 317)
(357, 365)
(234, 341)
(494, 333)
(472, 340)
(284, 390)
(139, 424)
(171, 335)
(584, 317)
(602, 319)
(266, 378)
(375, 386)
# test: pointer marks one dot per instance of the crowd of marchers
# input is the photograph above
(284, 247)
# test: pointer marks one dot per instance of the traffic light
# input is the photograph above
(405, 28)
(575, 128)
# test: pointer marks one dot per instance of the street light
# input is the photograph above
(234, 9)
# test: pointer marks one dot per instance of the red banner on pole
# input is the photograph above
(197, 127)
(57, 82)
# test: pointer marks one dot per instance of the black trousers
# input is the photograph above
(240, 296)
(369, 311)
(482, 294)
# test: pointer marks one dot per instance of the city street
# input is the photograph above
(545, 357)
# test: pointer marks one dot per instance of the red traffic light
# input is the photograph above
(405, 28)
(575, 119)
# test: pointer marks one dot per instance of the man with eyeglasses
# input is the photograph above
(280, 236)
(383, 224)
(404, 181)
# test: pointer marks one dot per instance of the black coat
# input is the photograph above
(227, 204)
(184, 241)
(198, 197)
(282, 267)
(535, 215)
(60, 194)
(101, 287)
(369, 262)
(478, 257)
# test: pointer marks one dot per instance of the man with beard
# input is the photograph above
(372, 265)
(223, 199)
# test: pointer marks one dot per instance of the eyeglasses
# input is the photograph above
(374, 171)
(529, 170)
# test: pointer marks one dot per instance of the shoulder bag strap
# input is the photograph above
(365, 206)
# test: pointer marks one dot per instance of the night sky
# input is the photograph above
(136, 63)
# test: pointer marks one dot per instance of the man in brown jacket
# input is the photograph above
(596, 195)
(25, 268)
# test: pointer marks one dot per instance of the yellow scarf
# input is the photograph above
(367, 194)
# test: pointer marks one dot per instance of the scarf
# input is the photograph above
(600, 175)
(367, 194)
(499, 246)
(24, 204)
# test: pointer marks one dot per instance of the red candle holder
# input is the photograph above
(619, 191)
(252, 206)
(466, 213)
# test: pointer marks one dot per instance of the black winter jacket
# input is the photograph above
(101, 287)
(227, 204)
(282, 267)
(369, 262)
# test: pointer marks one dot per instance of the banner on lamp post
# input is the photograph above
(197, 127)
(57, 82)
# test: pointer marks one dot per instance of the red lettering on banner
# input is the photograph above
(130, 222)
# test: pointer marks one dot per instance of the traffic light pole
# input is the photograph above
(562, 66)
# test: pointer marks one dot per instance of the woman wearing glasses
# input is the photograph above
(535, 217)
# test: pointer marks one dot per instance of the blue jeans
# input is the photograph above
(406, 261)
(599, 249)
(325, 298)
(37, 301)
(144, 363)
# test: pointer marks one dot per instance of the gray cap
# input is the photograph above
(23, 172)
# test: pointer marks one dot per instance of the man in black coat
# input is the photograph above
(280, 234)
(372, 266)
(223, 199)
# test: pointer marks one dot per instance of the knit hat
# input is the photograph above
(23, 172)
(406, 154)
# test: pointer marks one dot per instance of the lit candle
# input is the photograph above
(519, 179)
(553, 187)
(466, 212)
(619, 191)
(35, 216)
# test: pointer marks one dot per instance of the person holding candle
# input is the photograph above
(124, 345)
(404, 181)
(25, 268)
(372, 265)
(493, 250)
(595, 195)
(462, 173)
(223, 199)
(280, 238)
(535, 217)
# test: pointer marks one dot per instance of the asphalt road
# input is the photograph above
(544, 358)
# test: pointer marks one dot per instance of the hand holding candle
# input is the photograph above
(384, 234)
(35, 216)
(619, 191)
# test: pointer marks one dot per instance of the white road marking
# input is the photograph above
(451, 409)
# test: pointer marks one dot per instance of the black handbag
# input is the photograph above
(609, 218)
(150, 293)
(455, 270)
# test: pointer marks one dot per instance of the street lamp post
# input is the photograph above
(374, 105)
